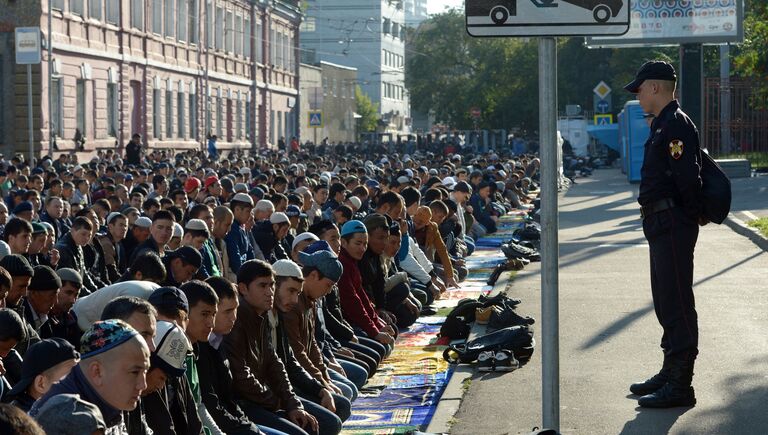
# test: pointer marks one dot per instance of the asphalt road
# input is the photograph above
(609, 335)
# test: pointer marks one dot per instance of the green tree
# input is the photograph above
(367, 110)
(751, 59)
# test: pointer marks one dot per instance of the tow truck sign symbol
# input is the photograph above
(500, 10)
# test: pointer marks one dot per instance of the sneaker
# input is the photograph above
(485, 361)
(504, 361)
(506, 318)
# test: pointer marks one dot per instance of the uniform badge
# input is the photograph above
(676, 149)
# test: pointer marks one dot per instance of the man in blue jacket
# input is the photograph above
(239, 247)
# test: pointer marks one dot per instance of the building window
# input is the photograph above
(169, 17)
(239, 127)
(192, 116)
(194, 26)
(169, 113)
(56, 124)
(386, 26)
(94, 9)
(137, 14)
(112, 109)
(219, 117)
(289, 47)
(259, 40)
(238, 35)
(246, 38)
(57, 4)
(209, 20)
(208, 116)
(272, 127)
(113, 11)
(279, 125)
(230, 38)
(395, 30)
(157, 16)
(180, 113)
(80, 105)
(181, 32)
(248, 120)
(156, 116)
(219, 28)
(76, 7)
(273, 47)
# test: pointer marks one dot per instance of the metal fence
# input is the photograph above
(735, 117)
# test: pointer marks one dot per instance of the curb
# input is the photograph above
(740, 227)
(449, 403)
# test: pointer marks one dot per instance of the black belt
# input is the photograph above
(656, 206)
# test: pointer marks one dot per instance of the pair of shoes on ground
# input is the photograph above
(517, 250)
(505, 317)
(497, 361)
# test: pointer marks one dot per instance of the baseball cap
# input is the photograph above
(322, 259)
(210, 180)
(287, 268)
(41, 356)
(143, 222)
(191, 184)
(449, 182)
(352, 227)
(169, 297)
(373, 184)
(22, 207)
(294, 211)
(279, 218)
(171, 349)
(653, 70)
(68, 414)
(188, 255)
(302, 237)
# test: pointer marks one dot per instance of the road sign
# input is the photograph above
(602, 90)
(27, 45)
(547, 17)
(603, 119)
(316, 119)
(602, 106)
(475, 112)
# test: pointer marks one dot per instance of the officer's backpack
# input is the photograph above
(715, 190)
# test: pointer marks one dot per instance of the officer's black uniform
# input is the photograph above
(670, 190)
(669, 194)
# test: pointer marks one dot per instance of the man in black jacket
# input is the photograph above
(71, 252)
(159, 235)
(213, 367)
(269, 235)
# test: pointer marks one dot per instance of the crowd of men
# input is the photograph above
(242, 294)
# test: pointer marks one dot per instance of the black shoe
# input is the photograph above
(428, 311)
(506, 318)
(515, 250)
(669, 396)
(505, 361)
(500, 299)
(654, 383)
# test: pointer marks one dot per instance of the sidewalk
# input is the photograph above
(750, 202)
(609, 335)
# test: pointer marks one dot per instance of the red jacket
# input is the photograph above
(355, 304)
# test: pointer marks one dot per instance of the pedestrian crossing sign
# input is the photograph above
(603, 119)
(316, 119)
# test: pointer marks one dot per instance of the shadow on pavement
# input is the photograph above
(617, 326)
(652, 421)
(731, 267)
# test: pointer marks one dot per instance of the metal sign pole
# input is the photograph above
(550, 363)
(29, 114)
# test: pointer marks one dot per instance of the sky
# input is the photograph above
(434, 6)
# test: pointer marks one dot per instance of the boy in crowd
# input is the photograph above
(46, 362)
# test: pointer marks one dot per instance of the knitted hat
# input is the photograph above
(16, 265)
(287, 268)
(374, 221)
(44, 279)
(105, 335)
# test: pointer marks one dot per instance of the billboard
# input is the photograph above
(672, 22)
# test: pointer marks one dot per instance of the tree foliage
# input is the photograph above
(448, 72)
(367, 110)
(751, 59)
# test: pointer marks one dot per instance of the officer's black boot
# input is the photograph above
(677, 391)
(654, 383)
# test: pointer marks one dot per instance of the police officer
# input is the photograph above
(670, 206)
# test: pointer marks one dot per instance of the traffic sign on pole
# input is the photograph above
(604, 119)
(547, 17)
(316, 119)
(602, 106)
(27, 45)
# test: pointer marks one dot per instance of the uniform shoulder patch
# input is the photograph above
(676, 149)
